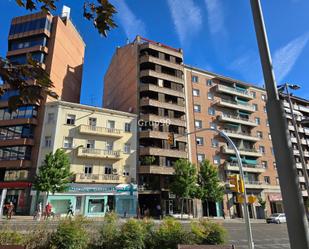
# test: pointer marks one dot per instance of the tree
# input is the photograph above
(184, 181)
(210, 188)
(30, 80)
(54, 175)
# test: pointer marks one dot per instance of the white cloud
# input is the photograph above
(187, 18)
(215, 16)
(130, 23)
(285, 57)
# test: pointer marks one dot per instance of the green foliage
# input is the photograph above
(147, 160)
(70, 234)
(206, 232)
(209, 183)
(109, 232)
(54, 175)
(133, 235)
(169, 234)
(10, 237)
(39, 237)
(262, 202)
(184, 181)
(21, 78)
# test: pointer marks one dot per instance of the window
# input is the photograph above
(90, 144)
(253, 94)
(216, 160)
(214, 143)
(127, 127)
(259, 134)
(263, 96)
(109, 145)
(211, 111)
(209, 82)
(275, 165)
(198, 124)
(200, 157)
(277, 180)
(50, 118)
(92, 121)
(111, 124)
(127, 148)
(272, 150)
(210, 96)
(267, 179)
(29, 111)
(88, 169)
(71, 119)
(267, 123)
(197, 108)
(255, 107)
(262, 149)
(196, 92)
(257, 120)
(213, 125)
(15, 153)
(108, 170)
(194, 79)
(264, 164)
(68, 142)
(200, 141)
(269, 136)
(47, 142)
(265, 110)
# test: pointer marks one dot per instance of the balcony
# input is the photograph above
(27, 50)
(161, 135)
(234, 91)
(100, 131)
(152, 73)
(236, 105)
(155, 60)
(145, 151)
(293, 140)
(246, 167)
(160, 104)
(242, 151)
(301, 178)
(101, 178)
(165, 90)
(304, 193)
(99, 153)
(304, 109)
(162, 48)
(15, 164)
(236, 119)
(160, 119)
(156, 170)
(259, 185)
(241, 135)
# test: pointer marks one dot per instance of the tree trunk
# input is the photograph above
(207, 208)
(182, 199)
(187, 206)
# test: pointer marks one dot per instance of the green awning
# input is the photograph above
(234, 159)
(233, 125)
(241, 88)
(250, 161)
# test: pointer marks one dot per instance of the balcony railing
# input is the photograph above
(99, 153)
(236, 119)
(81, 177)
(96, 130)
(243, 93)
(238, 105)
(244, 135)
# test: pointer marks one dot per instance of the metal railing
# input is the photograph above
(100, 129)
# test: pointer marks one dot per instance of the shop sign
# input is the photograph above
(91, 189)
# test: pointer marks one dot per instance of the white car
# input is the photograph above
(276, 218)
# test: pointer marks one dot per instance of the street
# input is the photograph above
(265, 236)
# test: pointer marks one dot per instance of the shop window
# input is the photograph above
(96, 206)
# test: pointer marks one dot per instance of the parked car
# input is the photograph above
(276, 218)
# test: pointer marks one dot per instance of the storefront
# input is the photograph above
(276, 205)
(94, 200)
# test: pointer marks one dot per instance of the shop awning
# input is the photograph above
(15, 185)
(275, 197)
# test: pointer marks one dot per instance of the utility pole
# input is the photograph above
(286, 167)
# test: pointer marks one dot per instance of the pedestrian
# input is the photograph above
(70, 209)
(158, 208)
(10, 210)
(48, 210)
(38, 212)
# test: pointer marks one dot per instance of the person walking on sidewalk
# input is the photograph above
(38, 213)
(10, 210)
(70, 209)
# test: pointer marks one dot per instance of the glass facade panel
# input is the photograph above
(42, 23)
(29, 111)
(15, 153)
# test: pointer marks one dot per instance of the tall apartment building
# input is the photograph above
(301, 113)
(55, 43)
(239, 110)
(147, 78)
(101, 145)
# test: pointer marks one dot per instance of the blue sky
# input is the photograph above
(216, 35)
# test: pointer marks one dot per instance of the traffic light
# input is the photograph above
(171, 139)
(241, 186)
(234, 181)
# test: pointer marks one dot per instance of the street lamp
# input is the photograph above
(286, 87)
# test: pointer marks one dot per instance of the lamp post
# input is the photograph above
(241, 172)
(286, 87)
